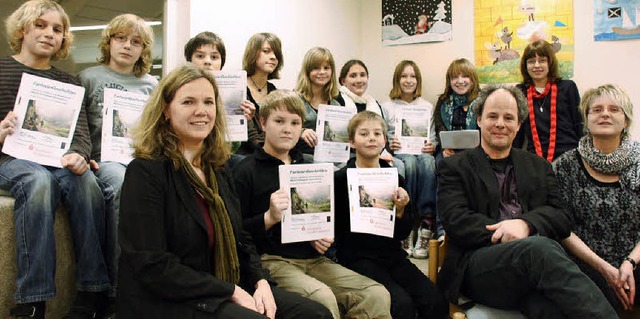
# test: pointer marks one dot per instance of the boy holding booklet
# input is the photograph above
(38, 33)
(297, 267)
(377, 257)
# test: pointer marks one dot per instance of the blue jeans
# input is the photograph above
(420, 175)
(112, 174)
(37, 191)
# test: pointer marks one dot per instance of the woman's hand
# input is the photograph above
(265, 303)
(628, 282)
(428, 148)
(448, 152)
(248, 109)
(401, 200)
(243, 298)
(613, 277)
(395, 144)
(278, 203)
(310, 137)
(322, 245)
(7, 126)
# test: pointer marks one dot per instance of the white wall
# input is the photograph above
(351, 29)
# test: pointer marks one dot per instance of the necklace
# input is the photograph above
(542, 103)
(257, 87)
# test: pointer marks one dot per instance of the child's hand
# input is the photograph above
(310, 137)
(248, 109)
(322, 245)
(448, 152)
(75, 163)
(278, 203)
(428, 148)
(7, 126)
(395, 144)
(387, 157)
(401, 200)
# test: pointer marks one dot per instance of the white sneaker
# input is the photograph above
(407, 244)
(421, 250)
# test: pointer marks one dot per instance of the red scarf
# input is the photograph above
(531, 94)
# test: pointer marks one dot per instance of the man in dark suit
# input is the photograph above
(503, 217)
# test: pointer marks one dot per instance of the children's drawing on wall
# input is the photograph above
(502, 32)
(415, 21)
(616, 20)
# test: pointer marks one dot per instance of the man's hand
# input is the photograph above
(7, 126)
(322, 245)
(75, 163)
(265, 303)
(509, 230)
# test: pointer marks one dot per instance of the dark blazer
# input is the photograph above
(468, 200)
(165, 266)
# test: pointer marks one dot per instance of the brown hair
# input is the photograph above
(347, 66)
(205, 38)
(364, 116)
(396, 91)
(540, 48)
(252, 51)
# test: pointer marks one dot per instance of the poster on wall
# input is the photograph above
(415, 21)
(503, 32)
(616, 20)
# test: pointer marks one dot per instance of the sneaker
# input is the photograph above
(421, 250)
(407, 244)
(28, 310)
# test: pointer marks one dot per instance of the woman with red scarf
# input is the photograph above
(554, 125)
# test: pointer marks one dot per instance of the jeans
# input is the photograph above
(112, 174)
(420, 174)
(37, 191)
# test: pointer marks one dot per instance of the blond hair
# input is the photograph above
(21, 20)
(154, 137)
(314, 59)
(396, 91)
(129, 24)
(616, 94)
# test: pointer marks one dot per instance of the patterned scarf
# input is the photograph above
(455, 101)
(226, 263)
(624, 161)
(350, 100)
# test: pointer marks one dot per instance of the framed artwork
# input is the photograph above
(616, 20)
(415, 21)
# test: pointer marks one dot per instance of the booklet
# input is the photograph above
(233, 91)
(311, 210)
(460, 139)
(47, 113)
(331, 128)
(371, 206)
(412, 124)
(122, 110)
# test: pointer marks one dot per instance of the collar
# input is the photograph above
(296, 156)
(351, 163)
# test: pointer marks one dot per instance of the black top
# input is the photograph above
(256, 178)
(255, 133)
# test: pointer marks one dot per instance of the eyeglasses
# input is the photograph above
(599, 109)
(120, 38)
(534, 60)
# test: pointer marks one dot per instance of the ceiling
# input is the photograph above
(93, 12)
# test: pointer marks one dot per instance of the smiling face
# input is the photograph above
(461, 84)
(266, 61)
(44, 38)
(125, 50)
(605, 119)
(408, 81)
(538, 69)
(321, 75)
(281, 131)
(357, 79)
(207, 57)
(498, 123)
(369, 139)
(192, 112)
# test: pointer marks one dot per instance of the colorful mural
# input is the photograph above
(503, 28)
(415, 21)
(616, 20)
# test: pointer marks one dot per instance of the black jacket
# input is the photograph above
(468, 200)
(165, 266)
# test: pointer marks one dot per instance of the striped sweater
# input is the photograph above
(10, 76)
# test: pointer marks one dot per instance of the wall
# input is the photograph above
(351, 28)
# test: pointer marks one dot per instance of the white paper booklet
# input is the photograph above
(47, 113)
(311, 211)
(333, 140)
(122, 110)
(233, 91)
(460, 139)
(371, 206)
(412, 128)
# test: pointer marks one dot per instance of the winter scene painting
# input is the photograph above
(503, 31)
(415, 21)
(616, 20)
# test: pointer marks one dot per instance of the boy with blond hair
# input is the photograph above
(381, 258)
(298, 267)
(38, 33)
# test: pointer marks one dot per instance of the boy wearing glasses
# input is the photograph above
(126, 59)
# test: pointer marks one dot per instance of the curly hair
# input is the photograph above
(129, 24)
(521, 100)
(314, 59)
(21, 20)
(154, 137)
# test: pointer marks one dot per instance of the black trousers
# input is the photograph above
(536, 276)
(412, 293)
(290, 306)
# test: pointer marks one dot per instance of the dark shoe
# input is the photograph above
(88, 305)
(28, 310)
(109, 311)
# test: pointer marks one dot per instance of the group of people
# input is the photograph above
(191, 227)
